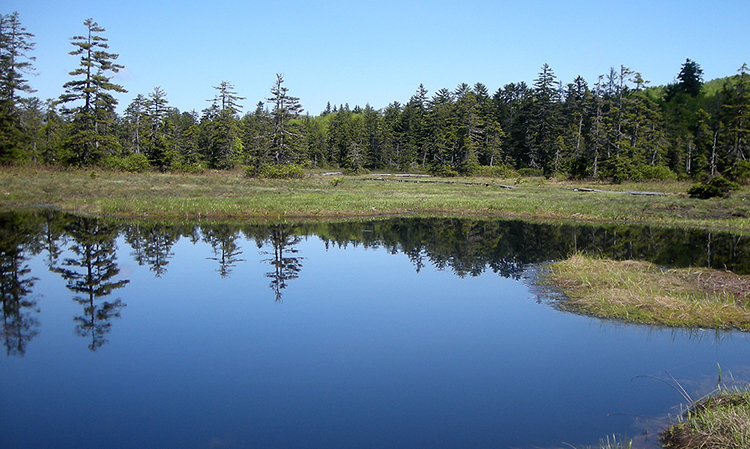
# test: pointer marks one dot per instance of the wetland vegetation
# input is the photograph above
(613, 153)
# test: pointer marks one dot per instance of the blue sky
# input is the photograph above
(360, 52)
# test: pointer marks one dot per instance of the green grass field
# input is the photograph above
(222, 195)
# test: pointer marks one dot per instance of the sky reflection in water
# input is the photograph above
(358, 349)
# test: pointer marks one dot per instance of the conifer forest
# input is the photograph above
(616, 127)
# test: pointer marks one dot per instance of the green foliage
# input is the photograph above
(530, 172)
(655, 173)
(497, 171)
(716, 186)
(721, 420)
(356, 171)
(443, 170)
(618, 129)
(276, 171)
(740, 172)
(193, 168)
(134, 163)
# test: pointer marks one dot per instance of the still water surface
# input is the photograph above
(398, 333)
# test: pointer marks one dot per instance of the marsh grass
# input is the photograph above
(718, 421)
(612, 442)
(230, 194)
(642, 292)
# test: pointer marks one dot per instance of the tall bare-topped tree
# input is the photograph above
(284, 108)
(90, 137)
(15, 64)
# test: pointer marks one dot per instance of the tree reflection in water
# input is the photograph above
(90, 274)
(20, 322)
(466, 247)
(152, 245)
(286, 266)
(223, 239)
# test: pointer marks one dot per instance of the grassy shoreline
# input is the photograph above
(594, 287)
(230, 195)
(718, 421)
(643, 293)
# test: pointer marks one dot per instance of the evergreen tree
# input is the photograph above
(736, 117)
(689, 81)
(222, 144)
(15, 63)
(284, 135)
(90, 275)
(544, 117)
(135, 125)
(161, 151)
(256, 131)
(91, 136)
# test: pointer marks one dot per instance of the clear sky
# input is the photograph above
(377, 52)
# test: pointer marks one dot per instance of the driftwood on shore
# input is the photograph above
(400, 178)
(628, 192)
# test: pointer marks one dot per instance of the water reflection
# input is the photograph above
(90, 274)
(416, 335)
(286, 265)
(152, 245)
(20, 322)
(465, 247)
(223, 239)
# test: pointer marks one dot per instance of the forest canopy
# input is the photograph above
(615, 128)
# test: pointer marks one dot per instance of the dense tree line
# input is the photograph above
(616, 128)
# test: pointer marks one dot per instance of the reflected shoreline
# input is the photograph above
(464, 247)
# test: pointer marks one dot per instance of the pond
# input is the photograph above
(399, 333)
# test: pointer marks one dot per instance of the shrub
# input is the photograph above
(336, 180)
(716, 186)
(656, 173)
(619, 169)
(443, 170)
(134, 163)
(356, 171)
(193, 168)
(277, 171)
(530, 172)
(497, 171)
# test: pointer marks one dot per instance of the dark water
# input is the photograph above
(397, 333)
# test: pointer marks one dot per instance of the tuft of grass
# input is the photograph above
(641, 292)
(610, 443)
(719, 421)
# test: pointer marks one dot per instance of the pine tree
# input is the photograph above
(91, 136)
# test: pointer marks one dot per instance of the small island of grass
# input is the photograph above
(641, 292)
